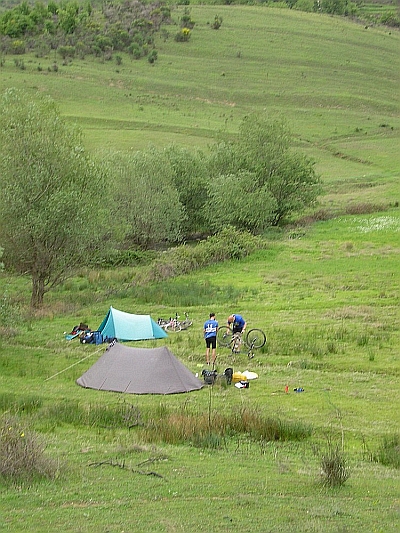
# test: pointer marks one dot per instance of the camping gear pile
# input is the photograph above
(240, 379)
(77, 331)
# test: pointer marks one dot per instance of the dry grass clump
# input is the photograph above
(364, 208)
(334, 469)
(22, 457)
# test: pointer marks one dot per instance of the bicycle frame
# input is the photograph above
(253, 339)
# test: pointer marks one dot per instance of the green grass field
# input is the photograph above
(335, 82)
(327, 295)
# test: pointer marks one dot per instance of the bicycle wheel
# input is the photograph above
(255, 338)
(185, 324)
(173, 328)
(224, 336)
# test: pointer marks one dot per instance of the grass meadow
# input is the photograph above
(326, 294)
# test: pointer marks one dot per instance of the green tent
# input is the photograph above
(128, 327)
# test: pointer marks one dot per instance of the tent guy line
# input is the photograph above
(77, 363)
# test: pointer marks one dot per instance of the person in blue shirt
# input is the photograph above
(210, 336)
(238, 324)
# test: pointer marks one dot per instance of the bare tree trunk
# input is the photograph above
(38, 291)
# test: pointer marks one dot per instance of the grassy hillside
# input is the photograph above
(335, 82)
(326, 295)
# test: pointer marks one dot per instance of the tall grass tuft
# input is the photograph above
(179, 293)
(334, 470)
(19, 404)
(22, 457)
(211, 429)
(122, 415)
(388, 453)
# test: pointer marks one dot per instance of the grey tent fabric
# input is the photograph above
(139, 371)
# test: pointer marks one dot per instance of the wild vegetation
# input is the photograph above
(323, 285)
(153, 191)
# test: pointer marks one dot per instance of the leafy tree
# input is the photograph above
(263, 149)
(50, 192)
(146, 207)
(237, 200)
(190, 176)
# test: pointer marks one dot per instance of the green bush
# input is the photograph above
(120, 258)
(18, 47)
(66, 51)
(183, 35)
(217, 23)
(228, 244)
(152, 57)
(10, 315)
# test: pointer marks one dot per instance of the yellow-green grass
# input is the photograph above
(335, 82)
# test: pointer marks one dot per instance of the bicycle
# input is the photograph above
(185, 324)
(253, 340)
(174, 325)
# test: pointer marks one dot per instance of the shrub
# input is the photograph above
(66, 51)
(136, 50)
(118, 258)
(22, 455)
(229, 243)
(183, 35)
(18, 47)
(334, 471)
(186, 20)
(217, 23)
(152, 57)
(10, 315)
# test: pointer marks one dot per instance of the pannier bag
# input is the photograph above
(228, 375)
(209, 376)
(97, 337)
